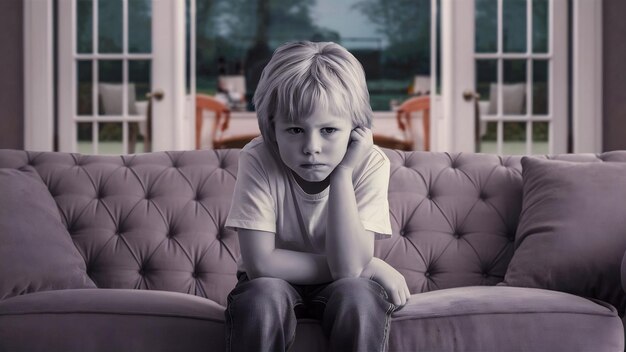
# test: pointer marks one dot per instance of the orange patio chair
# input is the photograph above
(404, 119)
(220, 124)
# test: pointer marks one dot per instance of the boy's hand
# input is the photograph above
(360, 145)
(390, 279)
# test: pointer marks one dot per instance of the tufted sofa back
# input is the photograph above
(156, 221)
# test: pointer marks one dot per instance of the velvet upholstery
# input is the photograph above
(154, 222)
(36, 251)
(572, 231)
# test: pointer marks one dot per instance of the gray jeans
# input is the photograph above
(262, 314)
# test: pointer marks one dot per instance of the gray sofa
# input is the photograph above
(155, 263)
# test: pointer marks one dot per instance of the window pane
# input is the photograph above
(84, 99)
(514, 26)
(110, 89)
(138, 85)
(110, 138)
(238, 37)
(84, 26)
(110, 26)
(84, 134)
(514, 138)
(514, 87)
(486, 80)
(540, 87)
(540, 137)
(139, 26)
(540, 26)
(486, 24)
(488, 137)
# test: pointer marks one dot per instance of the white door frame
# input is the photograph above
(456, 123)
(170, 125)
(38, 75)
(587, 76)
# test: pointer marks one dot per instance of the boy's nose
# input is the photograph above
(312, 145)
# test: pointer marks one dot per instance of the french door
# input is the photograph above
(504, 76)
(113, 55)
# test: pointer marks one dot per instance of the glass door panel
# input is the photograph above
(514, 26)
(110, 26)
(140, 26)
(512, 61)
(540, 26)
(113, 63)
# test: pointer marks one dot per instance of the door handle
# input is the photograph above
(469, 95)
(157, 94)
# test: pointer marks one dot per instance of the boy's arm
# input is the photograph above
(262, 259)
(349, 246)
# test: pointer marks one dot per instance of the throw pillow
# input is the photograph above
(571, 235)
(513, 99)
(36, 251)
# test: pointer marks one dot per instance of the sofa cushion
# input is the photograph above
(36, 252)
(572, 231)
(480, 318)
(111, 320)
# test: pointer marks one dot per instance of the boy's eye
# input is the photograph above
(328, 130)
(294, 130)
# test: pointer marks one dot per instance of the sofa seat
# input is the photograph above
(488, 318)
(477, 318)
(480, 318)
(111, 320)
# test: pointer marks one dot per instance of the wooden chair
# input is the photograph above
(405, 120)
(405, 124)
(392, 142)
(220, 124)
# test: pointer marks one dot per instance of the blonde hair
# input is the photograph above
(304, 76)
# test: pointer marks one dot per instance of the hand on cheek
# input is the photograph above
(359, 146)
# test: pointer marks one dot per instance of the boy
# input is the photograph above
(310, 198)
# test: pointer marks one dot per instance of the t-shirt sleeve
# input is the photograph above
(371, 189)
(252, 205)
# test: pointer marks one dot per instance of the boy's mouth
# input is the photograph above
(312, 166)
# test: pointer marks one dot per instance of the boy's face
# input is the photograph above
(313, 146)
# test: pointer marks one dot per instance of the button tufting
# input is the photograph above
(485, 275)
(402, 233)
(427, 274)
(194, 275)
(429, 196)
(457, 235)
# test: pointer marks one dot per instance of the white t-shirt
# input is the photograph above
(268, 198)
